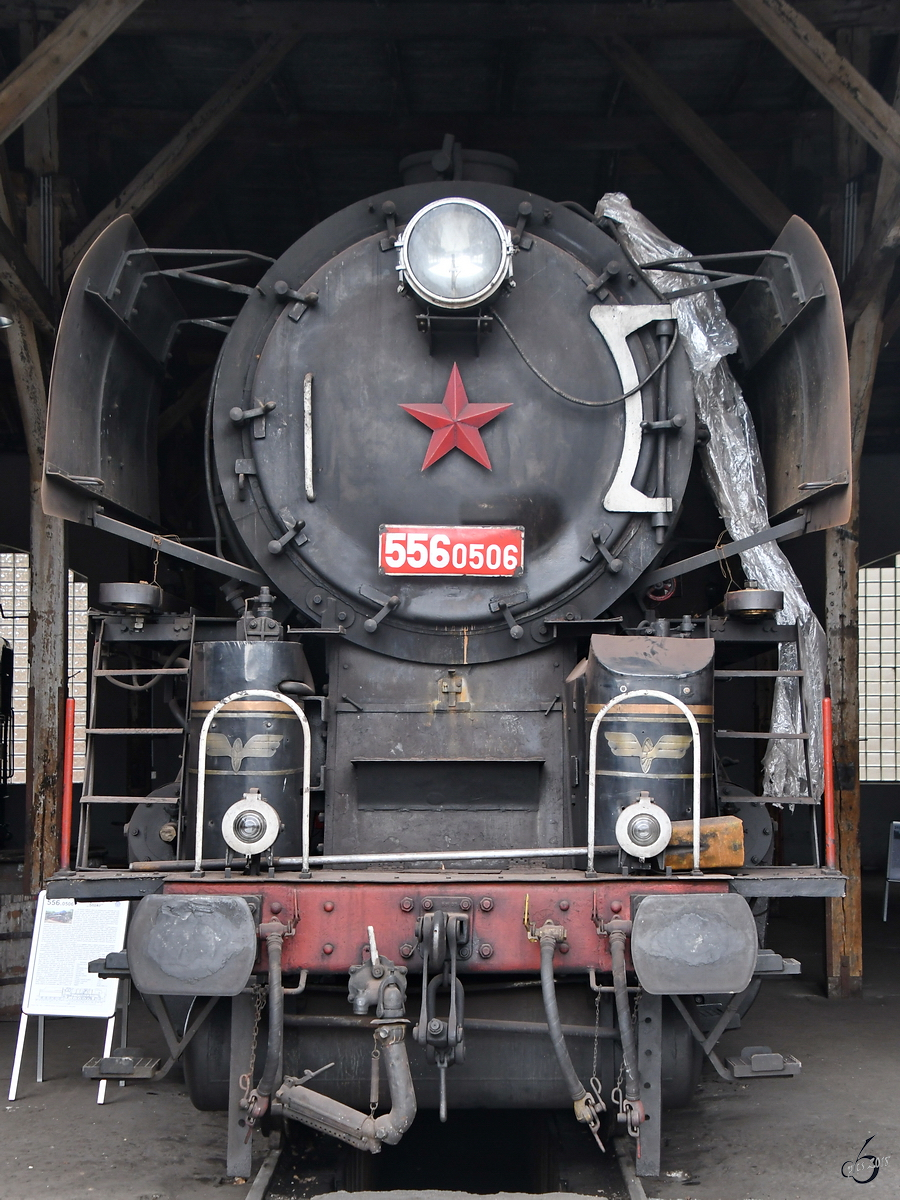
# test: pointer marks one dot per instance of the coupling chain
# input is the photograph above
(260, 992)
(596, 1085)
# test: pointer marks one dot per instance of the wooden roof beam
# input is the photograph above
(186, 145)
(54, 59)
(408, 21)
(228, 163)
(754, 130)
(838, 80)
(690, 127)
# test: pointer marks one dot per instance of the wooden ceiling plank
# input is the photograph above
(690, 127)
(405, 21)
(349, 129)
(186, 145)
(849, 92)
(54, 59)
(230, 161)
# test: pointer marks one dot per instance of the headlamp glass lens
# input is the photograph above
(643, 830)
(249, 826)
(454, 252)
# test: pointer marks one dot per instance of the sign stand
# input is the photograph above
(67, 936)
(892, 874)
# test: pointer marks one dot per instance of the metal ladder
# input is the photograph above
(731, 674)
(93, 731)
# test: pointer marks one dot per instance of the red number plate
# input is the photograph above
(451, 549)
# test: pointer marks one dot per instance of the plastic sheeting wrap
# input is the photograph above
(734, 471)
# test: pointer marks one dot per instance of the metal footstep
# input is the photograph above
(769, 963)
(127, 1062)
(755, 1062)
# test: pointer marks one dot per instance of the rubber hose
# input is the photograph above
(548, 990)
(623, 1008)
(275, 1044)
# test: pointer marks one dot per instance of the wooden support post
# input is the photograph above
(839, 81)
(843, 928)
(46, 623)
(731, 170)
(54, 59)
(843, 933)
(186, 144)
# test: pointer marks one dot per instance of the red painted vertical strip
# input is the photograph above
(65, 838)
(827, 738)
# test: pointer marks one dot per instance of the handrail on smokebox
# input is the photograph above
(592, 766)
(201, 768)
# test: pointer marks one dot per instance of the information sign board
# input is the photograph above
(67, 936)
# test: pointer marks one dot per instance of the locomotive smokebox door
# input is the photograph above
(453, 488)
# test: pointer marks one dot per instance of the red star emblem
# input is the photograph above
(455, 422)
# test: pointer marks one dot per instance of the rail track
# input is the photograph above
(488, 1156)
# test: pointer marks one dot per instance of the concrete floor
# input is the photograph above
(781, 1139)
(772, 1139)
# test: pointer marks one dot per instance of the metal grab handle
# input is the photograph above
(201, 768)
(592, 766)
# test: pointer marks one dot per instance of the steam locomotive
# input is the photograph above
(444, 818)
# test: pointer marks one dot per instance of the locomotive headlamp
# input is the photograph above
(251, 825)
(455, 253)
(643, 828)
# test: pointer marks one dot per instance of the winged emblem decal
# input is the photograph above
(261, 745)
(627, 745)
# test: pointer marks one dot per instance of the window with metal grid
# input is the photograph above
(15, 601)
(879, 728)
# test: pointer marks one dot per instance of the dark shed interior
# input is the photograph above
(260, 119)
